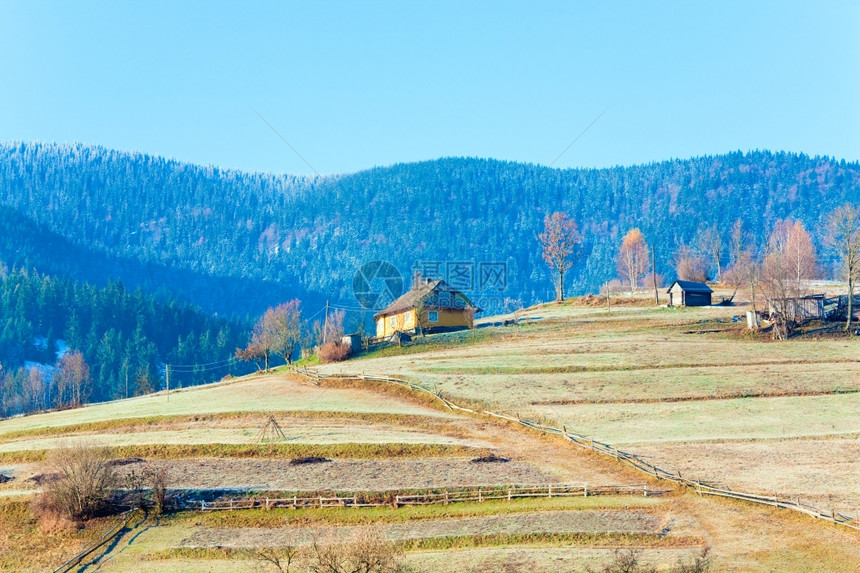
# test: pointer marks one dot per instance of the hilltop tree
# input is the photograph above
(263, 342)
(285, 323)
(842, 235)
(561, 246)
(633, 257)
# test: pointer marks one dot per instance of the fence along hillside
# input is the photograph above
(701, 487)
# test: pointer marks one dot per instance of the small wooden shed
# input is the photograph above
(689, 293)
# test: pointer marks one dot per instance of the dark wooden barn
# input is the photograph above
(689, 293)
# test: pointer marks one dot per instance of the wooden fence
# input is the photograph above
(125, 518)
(437, 497)
(699, 486)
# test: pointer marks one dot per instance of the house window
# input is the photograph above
(433, 316)
(392, 322)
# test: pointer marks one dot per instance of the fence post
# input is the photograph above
(480, 498)
(295, 501)
(509, 494)
(646, 490)
(396, 501)
(446, 498)
(231, 504)
(202, 505)
(549, 491)
(267, 503)
(585, 490)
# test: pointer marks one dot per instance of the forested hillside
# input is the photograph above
(156, 222)
(123, 338)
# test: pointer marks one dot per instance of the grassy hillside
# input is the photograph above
(689, 389)
(682, 386)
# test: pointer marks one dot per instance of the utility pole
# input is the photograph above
(167, 377)
(654, 277)
(325, 324)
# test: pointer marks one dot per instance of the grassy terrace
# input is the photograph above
(678, 383)
(270, 393)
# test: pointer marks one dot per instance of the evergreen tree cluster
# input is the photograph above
(124, 337)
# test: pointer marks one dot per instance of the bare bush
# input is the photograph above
(156, 479)
(334, 352)
(366, 551)
(281, 559)
(624, 561)
(629, 561)
(700, 564)
(85, 484)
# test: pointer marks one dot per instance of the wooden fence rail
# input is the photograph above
(389, 499)
(104, 539)
(699, 486)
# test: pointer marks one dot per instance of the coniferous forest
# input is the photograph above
(135, 260)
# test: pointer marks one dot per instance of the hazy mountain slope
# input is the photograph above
(29, 245)
(311, 234)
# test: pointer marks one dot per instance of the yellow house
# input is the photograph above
(429, 306)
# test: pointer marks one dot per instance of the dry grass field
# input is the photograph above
(689, 389)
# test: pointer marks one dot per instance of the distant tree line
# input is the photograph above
(781, 270)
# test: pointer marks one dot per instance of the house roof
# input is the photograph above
(439, 293)
(691, 286)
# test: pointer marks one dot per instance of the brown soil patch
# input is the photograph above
(582, 521)
(348, 475)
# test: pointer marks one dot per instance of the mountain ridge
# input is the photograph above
(309, 234)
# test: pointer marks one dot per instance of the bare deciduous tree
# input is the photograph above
(794, 243)
(277, 332)
(73, 380)
(285, 323)
(744, 271)
(786, 269)
(34, 390)
(633, 257)
(842, 235)
(561, 246)
(689, 265)
(738, 242)
(711, 245)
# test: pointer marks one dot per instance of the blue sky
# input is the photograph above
(356, 84)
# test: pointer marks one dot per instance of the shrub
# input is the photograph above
(157, 480)
(627, 561)
(366, 551)
(333, 352)
(84, 486)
